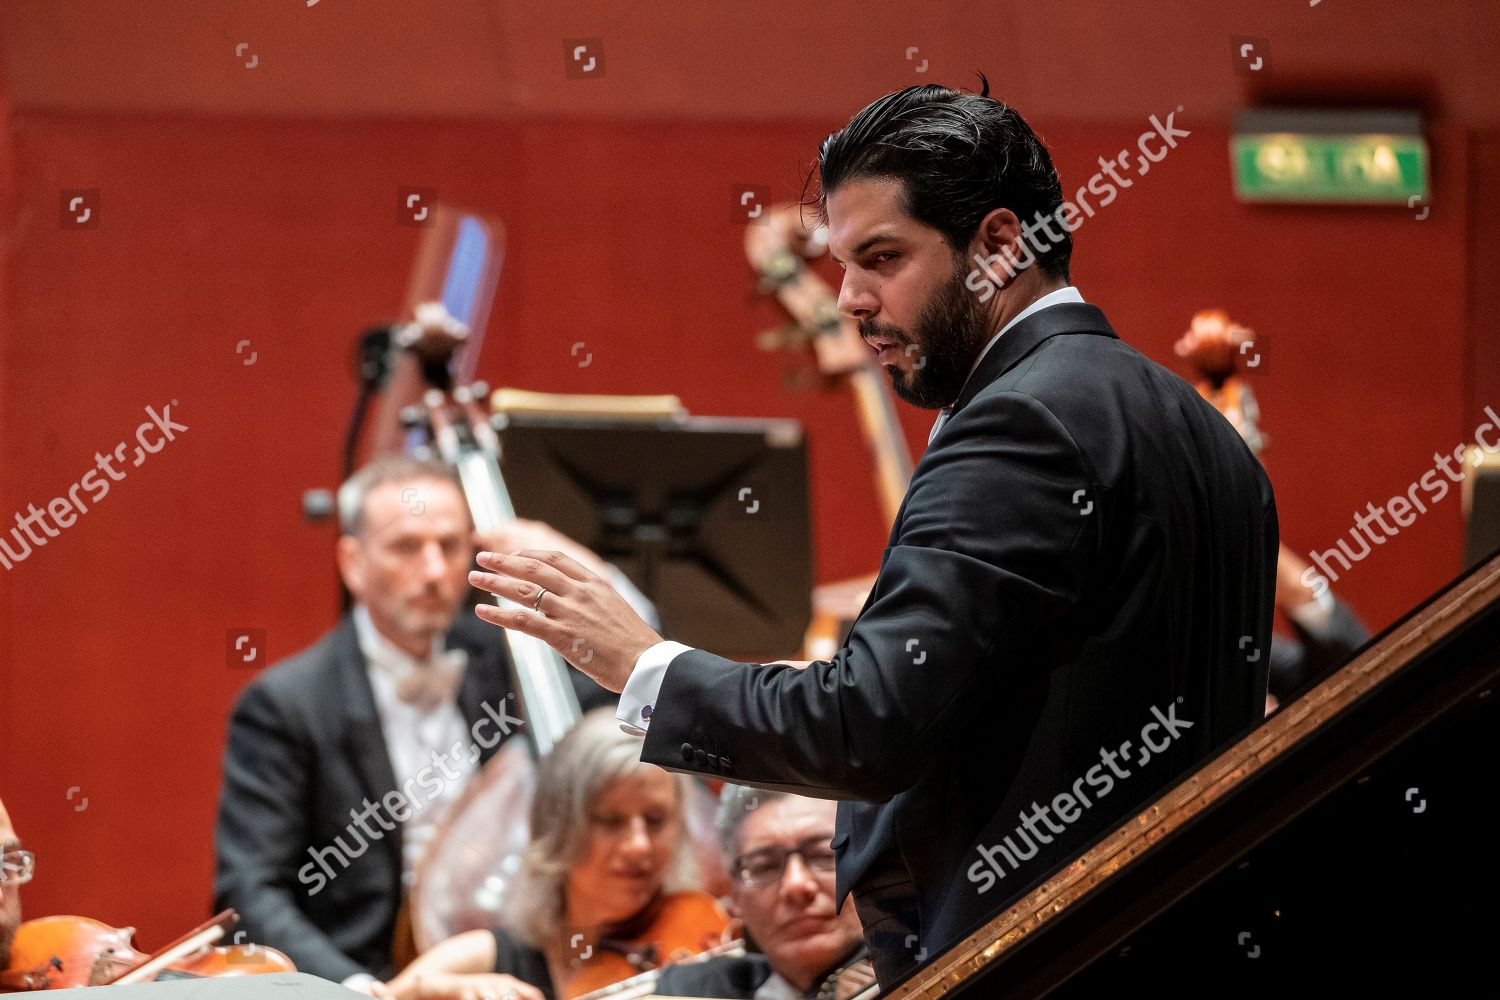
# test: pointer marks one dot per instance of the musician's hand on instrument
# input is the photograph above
(568, 607)
(497, 986)
(854, 980)
(457, 986)
(525, 534)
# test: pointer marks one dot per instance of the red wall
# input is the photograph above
(114, 677)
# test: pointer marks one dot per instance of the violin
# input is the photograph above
(62, 952)
(852, 980)
(674, 927)
(644, 984)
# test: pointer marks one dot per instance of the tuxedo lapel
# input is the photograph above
(485, 683)
(1017, 342)
(364, 741)
(1023, 338)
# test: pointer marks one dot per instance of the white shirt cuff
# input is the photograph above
(638, 700)
(360, 982)
(1316, 616)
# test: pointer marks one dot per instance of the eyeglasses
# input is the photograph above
(17, 867)
(765, 867)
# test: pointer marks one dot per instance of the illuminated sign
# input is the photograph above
(1337, 157)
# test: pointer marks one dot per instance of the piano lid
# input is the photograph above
(1349, 830)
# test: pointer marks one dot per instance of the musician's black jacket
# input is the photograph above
(1085, 557)
(1312, 655)
(738, 977)
(305, 748)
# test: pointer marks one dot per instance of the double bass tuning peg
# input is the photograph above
(415, 418)
(784, 337)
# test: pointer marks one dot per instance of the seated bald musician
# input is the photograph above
(16, 867)
(341, 761)
(777, 847)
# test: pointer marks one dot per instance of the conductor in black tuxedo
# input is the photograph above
(341, 760)
(1076, 597)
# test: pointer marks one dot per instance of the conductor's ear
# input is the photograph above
(999, 240)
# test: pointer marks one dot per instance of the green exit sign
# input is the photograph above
(1353, 157)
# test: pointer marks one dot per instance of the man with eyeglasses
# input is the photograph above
(16, 867)
(776, 845)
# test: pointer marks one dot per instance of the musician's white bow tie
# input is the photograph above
(430, 684)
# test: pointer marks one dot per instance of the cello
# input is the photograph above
(428, 409)
(674, 925)
(462, 881)
(1219, 350)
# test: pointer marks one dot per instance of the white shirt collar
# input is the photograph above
(1067, 293)
(420, 719)
(381, 652)
(776, 988)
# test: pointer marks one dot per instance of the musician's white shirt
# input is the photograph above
(414, 732)
(777, 988)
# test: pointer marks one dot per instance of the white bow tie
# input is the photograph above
(428, 685)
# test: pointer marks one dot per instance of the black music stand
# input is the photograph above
(707, 516)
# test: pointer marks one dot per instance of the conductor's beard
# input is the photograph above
(951, 329)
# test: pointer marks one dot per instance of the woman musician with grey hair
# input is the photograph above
(607, 885)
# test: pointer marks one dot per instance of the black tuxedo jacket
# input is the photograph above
(729, 978)
(305, 748)
(1084, 559)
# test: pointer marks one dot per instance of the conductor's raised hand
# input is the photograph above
(569, 608)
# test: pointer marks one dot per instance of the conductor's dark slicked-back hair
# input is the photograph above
(959, 156)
